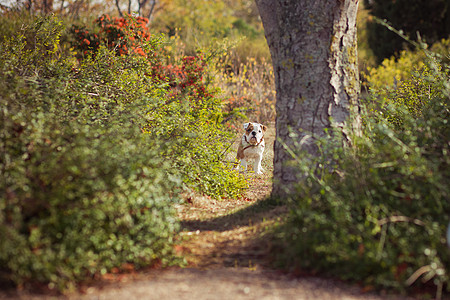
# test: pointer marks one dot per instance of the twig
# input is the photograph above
(417, 274)
(395, 219)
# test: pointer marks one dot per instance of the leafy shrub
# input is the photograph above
(95, 151)
(124, 35)
(81, 200)
(188, 115)
(394, 70)
(410, 97)
(83, 190)
(406, 85)
(234, 38)
(377, 211)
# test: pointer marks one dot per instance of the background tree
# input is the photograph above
(74, 9)
(430, 18)
(141, 7)
(314, 55)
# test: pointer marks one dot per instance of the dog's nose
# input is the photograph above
(254, 133)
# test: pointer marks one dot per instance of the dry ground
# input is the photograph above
(227, 254)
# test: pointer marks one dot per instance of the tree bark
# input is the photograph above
(314, 55)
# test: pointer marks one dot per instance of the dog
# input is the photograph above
(251, 147)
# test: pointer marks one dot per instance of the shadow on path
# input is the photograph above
(262, 210)
(238, 239)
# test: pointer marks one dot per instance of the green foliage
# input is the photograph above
(411, 96)
(210, 18)
(189, 114)
(406, 85)
(393, 70)
(377, 210)
(81, 199)
(94, 155)
(201, 24)
(83, 190)
(198, 144)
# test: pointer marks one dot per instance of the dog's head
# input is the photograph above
(254, 132)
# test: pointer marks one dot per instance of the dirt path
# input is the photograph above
(226, 261)
(227, 257)
(227, 254)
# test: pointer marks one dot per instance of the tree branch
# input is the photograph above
(141, 5)
(118, 8)
(152, 7)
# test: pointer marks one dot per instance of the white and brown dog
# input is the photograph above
(252, 146)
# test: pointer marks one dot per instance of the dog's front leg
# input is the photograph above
(243, 165)
(257, 166)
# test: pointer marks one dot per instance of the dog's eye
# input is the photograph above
(248, 130)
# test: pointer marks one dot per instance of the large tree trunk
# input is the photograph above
(313, 48)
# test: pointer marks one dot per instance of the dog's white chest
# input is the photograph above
(254, 151)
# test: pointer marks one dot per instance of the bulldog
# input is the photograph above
(252, 146)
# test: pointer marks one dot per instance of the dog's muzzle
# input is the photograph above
(253, 139)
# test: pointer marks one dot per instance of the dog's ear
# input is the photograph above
(246, 125)
(264, 128)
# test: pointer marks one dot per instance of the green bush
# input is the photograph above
(81, 199)
(405, 85)
(95, 152)
(410, 97)
(83, 190)
(377, 211)
(187, 113)
(394, 70)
